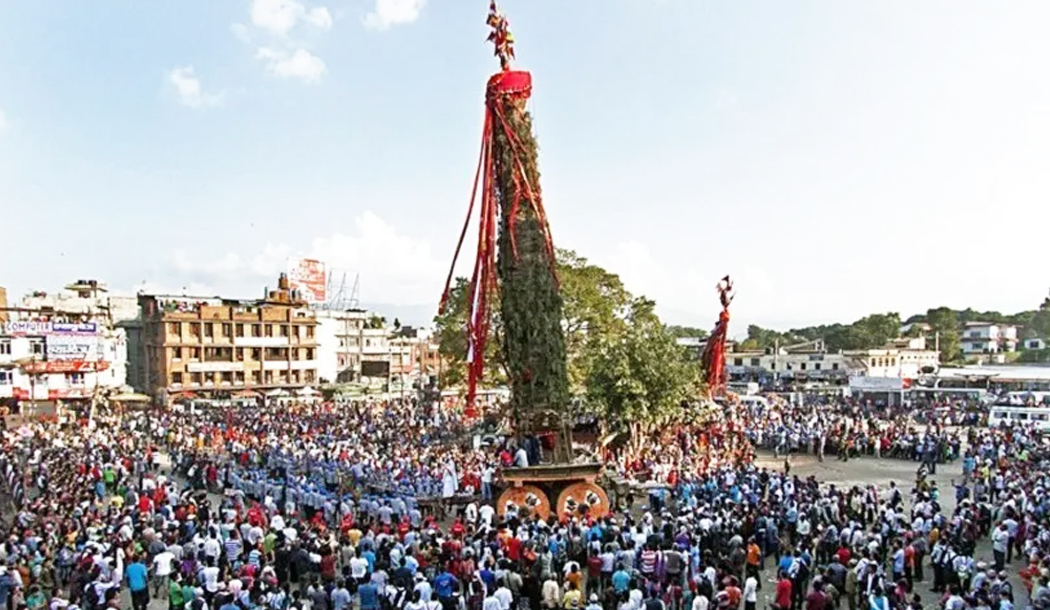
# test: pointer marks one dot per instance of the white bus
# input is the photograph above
(1037, 417)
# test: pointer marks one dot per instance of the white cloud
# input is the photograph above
(284, 56)
(280, 16)
(190, 91)
(319, 17)
(241, 31)
(389, 13)
(394, 268)
(299, 64)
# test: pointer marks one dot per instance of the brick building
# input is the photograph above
(218, 348)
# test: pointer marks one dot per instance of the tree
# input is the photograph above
(640, 379)
(944, 329)
(684, 332)
(595, 305)
(450, 333)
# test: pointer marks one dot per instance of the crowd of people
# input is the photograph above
(323, 507)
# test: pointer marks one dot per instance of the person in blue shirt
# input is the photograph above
(368, 596)
(138, 584)
(621, 580)
(445, 586)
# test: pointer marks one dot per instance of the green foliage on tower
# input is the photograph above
(531, 303)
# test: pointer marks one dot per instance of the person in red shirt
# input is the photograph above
(844, 555)
(816, 600)
(782, 596)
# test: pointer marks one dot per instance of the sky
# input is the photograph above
(835, 158)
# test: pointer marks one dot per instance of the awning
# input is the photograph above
(246, 394)
(277, 392)
(130, 397)
(307, 391)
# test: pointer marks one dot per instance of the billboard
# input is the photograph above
(876, 384)
(49, 328)
(73, 347)
(65, 366)
(308, 277)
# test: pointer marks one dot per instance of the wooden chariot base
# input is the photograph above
(572, 485)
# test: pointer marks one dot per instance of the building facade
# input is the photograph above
(214, 347)
(63, 346)
(340, 336)
(900, 359)
(988, 338)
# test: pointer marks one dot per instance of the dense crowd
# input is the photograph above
(322, 508)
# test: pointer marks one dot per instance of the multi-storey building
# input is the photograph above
(988, 338)
(339, 341)
(64, 346)
(214, 347)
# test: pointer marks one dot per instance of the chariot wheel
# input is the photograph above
(581, 499)
(526, 497)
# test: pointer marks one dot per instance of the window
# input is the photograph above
(816, 366)
(176, 353)
(834, 366)
(309, 332)
(309, 377)
(772, 366)
(238, 377)
(209, 330)
(269, 330)
(738, 362)
(195, 329)
(195, 378)
(802, 366)
(256, 330)
(256, 353)
(5, 348)
(284, 330)
(176, 378)
(755, 362)
(268, 376)
(195, 353)
(175, 328)
(227, 330)
(255, 377)
(227, 377)
(309, 353)
(238, 354)
(789, 366)
(240, 330)
(7, 378)
(37, 346)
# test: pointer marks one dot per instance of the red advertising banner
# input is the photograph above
(65, 366)
(308, 277)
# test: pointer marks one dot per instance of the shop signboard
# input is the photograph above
(25, 327)
(72, 347)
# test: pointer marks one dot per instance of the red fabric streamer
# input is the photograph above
(514, 86)
(714, 356)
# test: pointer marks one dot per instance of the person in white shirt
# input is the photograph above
(750, 593)
(503, 594)
(161, 571)
(491, 603)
